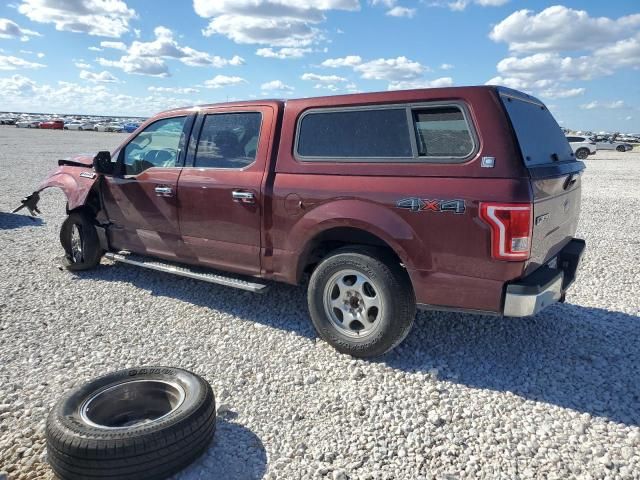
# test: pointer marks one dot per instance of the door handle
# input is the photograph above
(243, 197)
(162, 191)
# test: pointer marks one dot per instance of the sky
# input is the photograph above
(138, 57)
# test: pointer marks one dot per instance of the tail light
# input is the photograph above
(510, 229)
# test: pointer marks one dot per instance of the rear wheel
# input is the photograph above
(361, 302)
(80, 241)
(582, 153)
(620, 148)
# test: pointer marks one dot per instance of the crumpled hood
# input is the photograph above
(82, 160)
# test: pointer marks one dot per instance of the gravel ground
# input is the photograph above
(555, 396)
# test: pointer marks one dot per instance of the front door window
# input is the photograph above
(158, 145)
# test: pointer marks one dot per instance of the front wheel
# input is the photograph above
(80, 241)
(621, 148)
(582, 153)
(361, 302)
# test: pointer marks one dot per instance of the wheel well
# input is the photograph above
(91, 205)
(335, 238)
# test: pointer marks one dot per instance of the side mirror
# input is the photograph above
(102, 163)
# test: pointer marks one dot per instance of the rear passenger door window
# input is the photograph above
(228, 140)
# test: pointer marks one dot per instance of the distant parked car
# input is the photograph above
(613, 145)
(108, 127)
(79, 126)
(52, 125)
(28, 124)
(7, 121)
(582, 146)
(130, 127)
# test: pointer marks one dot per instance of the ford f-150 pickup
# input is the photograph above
(462, 199)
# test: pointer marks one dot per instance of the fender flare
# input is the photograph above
(370, 217)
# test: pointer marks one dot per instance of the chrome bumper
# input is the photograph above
(546, 285)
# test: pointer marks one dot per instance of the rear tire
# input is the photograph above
(143, 424)
(361, 302)
(582, 153)
(80, 241)
(621, 148)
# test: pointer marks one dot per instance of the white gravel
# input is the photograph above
(555, 397)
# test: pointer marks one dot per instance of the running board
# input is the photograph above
(185, 271)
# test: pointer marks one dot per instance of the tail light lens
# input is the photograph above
(510, 229)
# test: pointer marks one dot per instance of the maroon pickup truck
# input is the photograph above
(462, 199)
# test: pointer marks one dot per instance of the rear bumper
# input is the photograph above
(546, 285)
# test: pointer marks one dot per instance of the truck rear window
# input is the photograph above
(442, 132)
(541, 139)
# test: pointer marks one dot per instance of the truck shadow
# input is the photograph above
(236, 453)
(10, 221)
(582, 358)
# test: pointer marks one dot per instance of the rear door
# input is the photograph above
(221, 188)
(555, 174)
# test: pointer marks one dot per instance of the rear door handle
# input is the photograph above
(164, 191)
(243, 197)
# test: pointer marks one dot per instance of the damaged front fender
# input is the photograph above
(75, 177)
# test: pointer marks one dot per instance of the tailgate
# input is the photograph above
(556, 209)
(555, 174)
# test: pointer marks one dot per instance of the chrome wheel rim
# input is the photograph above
(131, 404)
(76, 244)
(353, 304)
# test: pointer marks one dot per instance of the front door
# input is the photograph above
(220, 188)
(141, 202)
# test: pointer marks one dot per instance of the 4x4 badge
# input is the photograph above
(419, 204)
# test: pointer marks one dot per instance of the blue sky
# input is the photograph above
(138, 57)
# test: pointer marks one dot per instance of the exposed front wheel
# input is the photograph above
(80, 241)
(582, 153)
(360, 302)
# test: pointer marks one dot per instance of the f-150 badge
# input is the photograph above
(426, 205)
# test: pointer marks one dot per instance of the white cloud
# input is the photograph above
(221, 81)
(421, 83)
(176, 90)
(114, 45)
(608, 105)
(96, 49)
(148, 58)
(323, 79)
(399, 11)
(278, 23)
(461, 5)
(106, 18)
(153, 67)
(15, 63)
(20, 93)
(283, 53)
(81, 64)
(348, 61)
(392, 69)
(276, 86)
(557, 92)
(446, 66)
(559, 28)
(40, 55)
(102, 77)
(10, 29)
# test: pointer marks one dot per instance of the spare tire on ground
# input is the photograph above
(140, 423)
